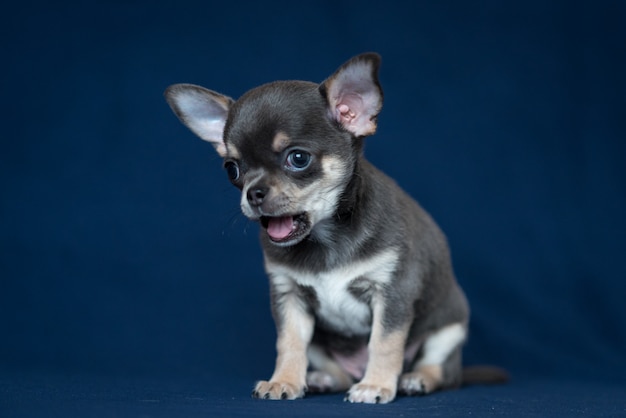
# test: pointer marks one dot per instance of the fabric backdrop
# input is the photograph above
(122, 249)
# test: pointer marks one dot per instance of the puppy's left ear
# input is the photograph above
(354, 95)
(201, 110)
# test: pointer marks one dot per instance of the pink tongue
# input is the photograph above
(280, 228)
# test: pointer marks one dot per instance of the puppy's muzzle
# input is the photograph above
(283, 226)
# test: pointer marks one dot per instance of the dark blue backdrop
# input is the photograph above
(122, 250)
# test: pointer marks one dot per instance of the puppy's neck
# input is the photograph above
(352, 197)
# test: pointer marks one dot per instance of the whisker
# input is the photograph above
(233, 219)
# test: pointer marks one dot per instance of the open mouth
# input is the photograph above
(286, 229)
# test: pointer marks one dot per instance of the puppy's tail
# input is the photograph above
(484, 375)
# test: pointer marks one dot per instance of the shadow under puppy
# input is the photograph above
(362, 288)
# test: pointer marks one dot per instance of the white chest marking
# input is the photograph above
(337, 307)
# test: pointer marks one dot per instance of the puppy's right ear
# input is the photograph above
(354, 95)
(201, 110)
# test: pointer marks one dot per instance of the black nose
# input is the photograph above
(256, 195)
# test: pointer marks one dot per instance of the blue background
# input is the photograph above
(123, 254)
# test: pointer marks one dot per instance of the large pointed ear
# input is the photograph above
(354, 95)
(201, 110)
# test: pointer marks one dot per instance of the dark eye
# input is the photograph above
(298, 160)
(232, 169)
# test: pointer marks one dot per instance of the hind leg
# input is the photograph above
(326, 374)
(439, 365)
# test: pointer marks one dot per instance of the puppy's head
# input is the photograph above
(289, 146)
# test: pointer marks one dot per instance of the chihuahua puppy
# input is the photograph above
(362, 288)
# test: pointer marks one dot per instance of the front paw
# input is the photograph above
(364, 393)
(277, 390)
